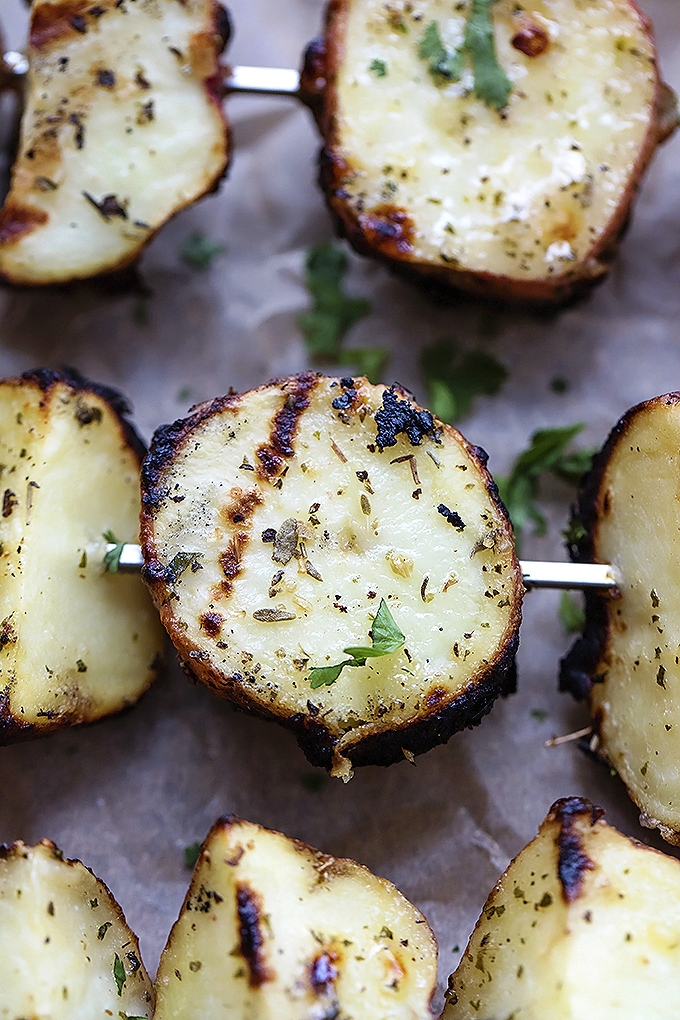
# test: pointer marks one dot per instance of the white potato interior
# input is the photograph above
(61, 933)
(612, 953)
(74, 642)
(117, 107)
(275, 930)
(638, 530)
(453, 593)
(524, 195)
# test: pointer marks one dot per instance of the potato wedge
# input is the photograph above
(67, 952)
(277, 523)
(76, 644)
(525, 204)
(123, 127)
(584, 924)
(626, 662)
(275, 929)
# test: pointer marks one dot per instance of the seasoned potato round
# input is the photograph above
(273, 928)
(584, 923)
(317, 523)
(627, 660)
(511, 182)
(67, 952)
(121, 129)
(76, 643)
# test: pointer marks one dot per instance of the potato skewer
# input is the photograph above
(519, 196)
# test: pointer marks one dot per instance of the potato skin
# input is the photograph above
(18, 216)
(382, 745)
(15, 728)
(386, 233)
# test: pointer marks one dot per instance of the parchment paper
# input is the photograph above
(127, 795)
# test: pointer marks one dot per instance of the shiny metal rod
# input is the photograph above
(536, 574)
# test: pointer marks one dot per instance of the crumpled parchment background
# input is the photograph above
(127, 795)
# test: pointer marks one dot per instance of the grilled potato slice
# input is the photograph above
(66, 950)
(584, 923)
(626, 663)
(272, 928)
(525, 204)
(278, 524)
(75, 644)
(122, 128)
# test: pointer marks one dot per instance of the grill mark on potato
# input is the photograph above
(388, 229)
(249, 911)
(230, 561)
(572, 862)
(18, 220)
(242, 506)
(51, 22)
(211, 623)
(285, 426)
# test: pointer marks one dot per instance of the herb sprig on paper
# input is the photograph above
(386, 638)
(491, 83)
(199, 251)
(547, 453)
(334, 312)
(453, 380)
(112, 557)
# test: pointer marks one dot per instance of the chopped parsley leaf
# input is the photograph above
(443, 65)
(191, 853)
(199, 251)
(572, 614)
(453, 382)
(386, 638)
(112, 556)
(538, 713)
(378, 67)
(119, 974)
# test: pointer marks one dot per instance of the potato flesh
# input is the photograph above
(524, 196)
(154, 139)
(79, 643)
(612, 953)
(60, 933)
(362, 558)
(638, 703)
(315, 912)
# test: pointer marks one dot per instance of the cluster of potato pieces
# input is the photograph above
(583, 923)
(521, 199)
(327, 554)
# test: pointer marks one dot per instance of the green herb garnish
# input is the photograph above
(546, 453)
(181, 562)
(572, 614)
(453, 382)
(191, 853)
(334, 312)
(102, 930)
(112, 556)
(127, 1016)
(491, 84)
(386, 638)
(119, 974)
(538, 713)
(378, 67)
(199, 251)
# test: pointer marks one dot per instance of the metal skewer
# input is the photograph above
(536, 574)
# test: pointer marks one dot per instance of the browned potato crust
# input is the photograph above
(377, 157)
(371, 515)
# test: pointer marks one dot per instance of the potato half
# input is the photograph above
(525, 204)
(627, 662)
(122, 128)
(584, 924)
(275, 523)
(275, 929)
(76, 644)
(66, 950)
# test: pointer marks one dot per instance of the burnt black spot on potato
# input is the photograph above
(108, 207)
(397, 416)
(323, 973)
(572, 861)
(85, 415)
(349, 393)
(211, 624)
(249, 910)
(242, 505)
(451, 516)
(9, 501)
(18, 220)
(389, 230)
(230, 560)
